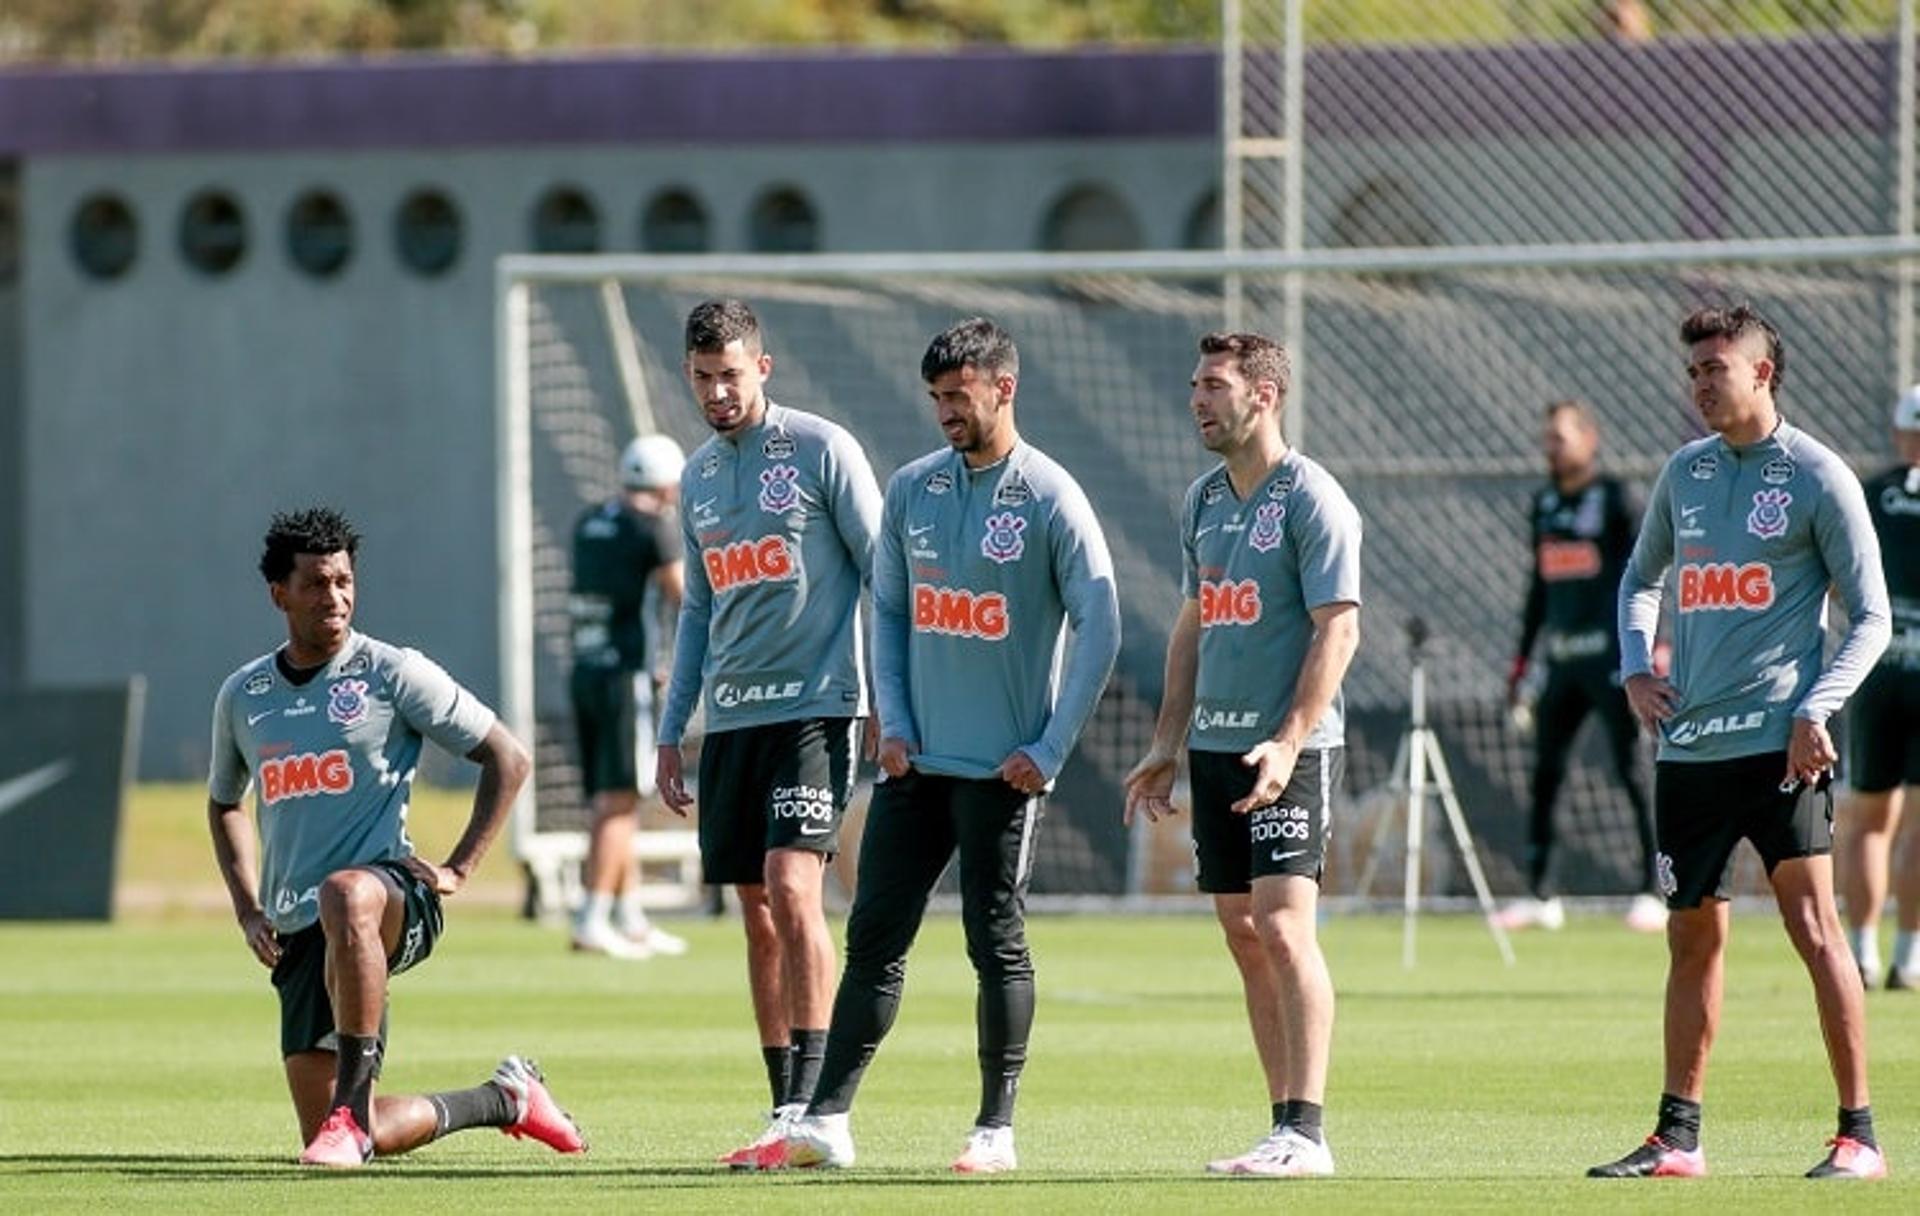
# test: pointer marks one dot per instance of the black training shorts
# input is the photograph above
(1702, 811)
(1286, 837)
(784, 785)
(300, 977)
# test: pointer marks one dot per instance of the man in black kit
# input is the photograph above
(1583, 528)
(1883, 733)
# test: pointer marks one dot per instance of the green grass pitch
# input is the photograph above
(140, 1073)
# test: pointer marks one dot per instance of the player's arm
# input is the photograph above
(236, 849)
(504, 766)
(1150, 783)
(683, 686)
(857, 511)
(1533, 613)
(892, 635)
(1083, 570)
(1850, 549)
(1652, 698)
(1326, 536)
(236, 853)
(855, 497)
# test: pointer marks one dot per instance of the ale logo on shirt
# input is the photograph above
(958, 612)
(305, 774)
(347, 702)
(746, 562)
(779, 492)
(1266, 533)
(1768, 519)
(1725, 587)
(1003, 542)
(1229, 602)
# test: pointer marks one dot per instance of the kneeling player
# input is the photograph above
(328, 730)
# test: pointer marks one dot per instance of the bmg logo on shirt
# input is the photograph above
(304, 775)
(1229, 602)
(1724, 587)
(743, 563)
(960, 613)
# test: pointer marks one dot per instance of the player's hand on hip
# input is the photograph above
(445, 880)
(1651, 698)
(668, 780)
(1020, 772)
(261, 939)
(1150, 788)
(896, 756)
(1810, 752)
(1273, 763)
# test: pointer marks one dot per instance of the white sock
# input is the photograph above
(1906, 952)
(629, 915)
(1865, 945)
(594, 909)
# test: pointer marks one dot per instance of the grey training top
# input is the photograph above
(1259, 567)
(779, 524)
(975, 571)
(332, 761)
(1756, 535)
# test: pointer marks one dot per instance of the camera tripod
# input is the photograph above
(1420, 766)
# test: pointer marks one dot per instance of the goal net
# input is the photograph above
(1427, 373)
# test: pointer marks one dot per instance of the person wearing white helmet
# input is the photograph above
(1883, 735)
(626, 560)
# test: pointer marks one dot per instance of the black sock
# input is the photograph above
(1304, 1117)
(1279, 1114)
(1858, 1125)
(809, 1050)
(778, 1060)
(486, 1105)
(1679, 1125)
(1003, 1016)
(356, 1064)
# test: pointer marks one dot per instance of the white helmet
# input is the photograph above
(651, 462)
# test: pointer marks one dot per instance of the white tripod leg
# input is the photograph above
(1457, 820)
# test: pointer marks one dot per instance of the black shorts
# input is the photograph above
(1703, 810)
(1286, 837)
(1883, 731)
(784, 785)
(306, 1011)
(613, 719)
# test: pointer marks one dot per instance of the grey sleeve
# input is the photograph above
(689, 641)
(892, 622)
(436, 705)
(1641, 581)
(1084, 570)
(1189, 555)
(1328, 542)
(227, 774)
(856, 499)
(1850, 549)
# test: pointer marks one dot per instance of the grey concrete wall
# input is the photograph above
(168, 414)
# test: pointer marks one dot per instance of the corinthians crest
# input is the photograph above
(778, 491)
(1003, 542)
(1768, 519)
(1266, 526)
(347, 702)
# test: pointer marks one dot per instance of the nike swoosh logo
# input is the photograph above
(807, 829)
(922, 530)
(1200, 532)
(16, 790)
(1289, 855)
(703, 504)
(265, 713)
